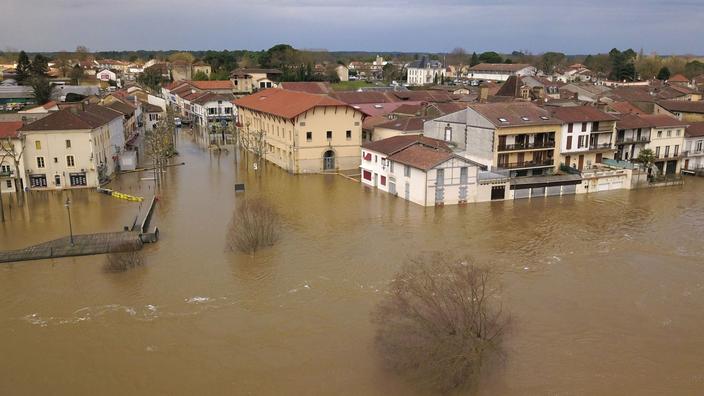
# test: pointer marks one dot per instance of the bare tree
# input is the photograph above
(8, 149)
(254, 141)
(255, 225)
(159, 142)
(124, 257)
(438, 324)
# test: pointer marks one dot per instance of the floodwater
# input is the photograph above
(606, 291)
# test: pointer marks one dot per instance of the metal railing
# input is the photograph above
(6, 173)
(642, 139)
(526, 146)
(601, 146)
(526, 164)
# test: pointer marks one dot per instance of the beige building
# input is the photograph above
(71, 149)
(667, 141)
(588, 136)
(246, 81)
(682, 110)
(301, 132)
(202, 67)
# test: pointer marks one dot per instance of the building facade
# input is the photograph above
(301, 132)
(587, 136)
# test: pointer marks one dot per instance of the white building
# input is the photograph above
(425, 71)
(500, 71)
(694, 148)
(106, 75)
(71, 148)
(422, 170)
(213, 108)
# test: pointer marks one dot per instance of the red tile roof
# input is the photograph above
(661, 121)
(9, 128)
(511, 114)
(394, 144)
(308, 87)
(421, 157)
(625, 108)
(212, 84)
(695, 130)
(581, 114)
(678, 78)
(405, 124)
(631, 121)
(682, 106)
(68, 119)
(284, 103)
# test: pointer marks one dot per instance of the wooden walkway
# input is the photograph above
(83, 245)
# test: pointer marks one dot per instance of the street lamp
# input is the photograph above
(70, 226)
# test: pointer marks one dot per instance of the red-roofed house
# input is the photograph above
(421, 170)
(694, 149)
(301, 132)
(11, 167)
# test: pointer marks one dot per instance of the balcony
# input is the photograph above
(692, 153)
(6, 173)
(527, 164)
(527, 146)
(642, 139)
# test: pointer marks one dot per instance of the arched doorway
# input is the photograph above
(329, 160)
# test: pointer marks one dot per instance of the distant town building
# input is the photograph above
(500, 71)
(425, 71)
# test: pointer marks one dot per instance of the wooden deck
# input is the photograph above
(83, 245)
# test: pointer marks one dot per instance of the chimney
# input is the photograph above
(483, 93)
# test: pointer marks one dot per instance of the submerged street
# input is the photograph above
(605, 290)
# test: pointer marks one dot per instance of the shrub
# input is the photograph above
(438, 324)
(255, 225)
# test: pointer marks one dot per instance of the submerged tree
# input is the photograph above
(159, 142)
(124, 257)
(438, 324)
(255, 225)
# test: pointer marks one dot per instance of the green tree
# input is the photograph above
(664, 74)
(475, 59)
(42, 89)
(200, 76)
(23, 67)
(551, 60)
(39, 66)
(646, 157)
(76, 74)
(694, 69)
(491, 57)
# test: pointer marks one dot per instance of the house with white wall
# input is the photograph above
(694, 149)
(421, 170)
(11, 151)
(500, 71)
(587, 135)
(213, 108)
(425, 71)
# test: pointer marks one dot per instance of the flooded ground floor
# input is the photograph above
(606, 290)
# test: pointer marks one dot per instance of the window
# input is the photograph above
(569, 143)
(570, 127)
(367, 175)
(407, 171)
(328, 134)
(677, 150)
(309, 136)
(391, 165)
(657, 152)
(440, 178)
(348, 135)
(463, 175)
(448, 133)
(700, 143)
(678, 132)
(37, 145)
(667, 151)
(383, 180)
(584, 127)
(582, 142)
(8, 183)
(303, 124)
(595, 126)
(68, 143)
(228, 110)
(40, 162)
(659, 134)
(376, 158)
(669, 132)
(211, 110)
(70, 161)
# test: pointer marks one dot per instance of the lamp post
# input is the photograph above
(70, 226)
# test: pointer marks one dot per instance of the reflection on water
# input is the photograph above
(606, 290)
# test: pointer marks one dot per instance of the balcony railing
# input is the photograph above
(526, 146)
(692, 153)
(642, 139)
(601, 146)
(4, 173)
(526, 164)
(603, 130)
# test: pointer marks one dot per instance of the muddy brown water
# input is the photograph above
(606, 291)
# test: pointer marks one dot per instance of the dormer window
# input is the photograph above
(524, 118)
(503, 120)
(544, 118)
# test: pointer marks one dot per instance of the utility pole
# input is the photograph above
(70, 226)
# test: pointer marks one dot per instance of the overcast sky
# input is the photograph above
(571, 26)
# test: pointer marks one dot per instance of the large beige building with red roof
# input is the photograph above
(302, 132)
